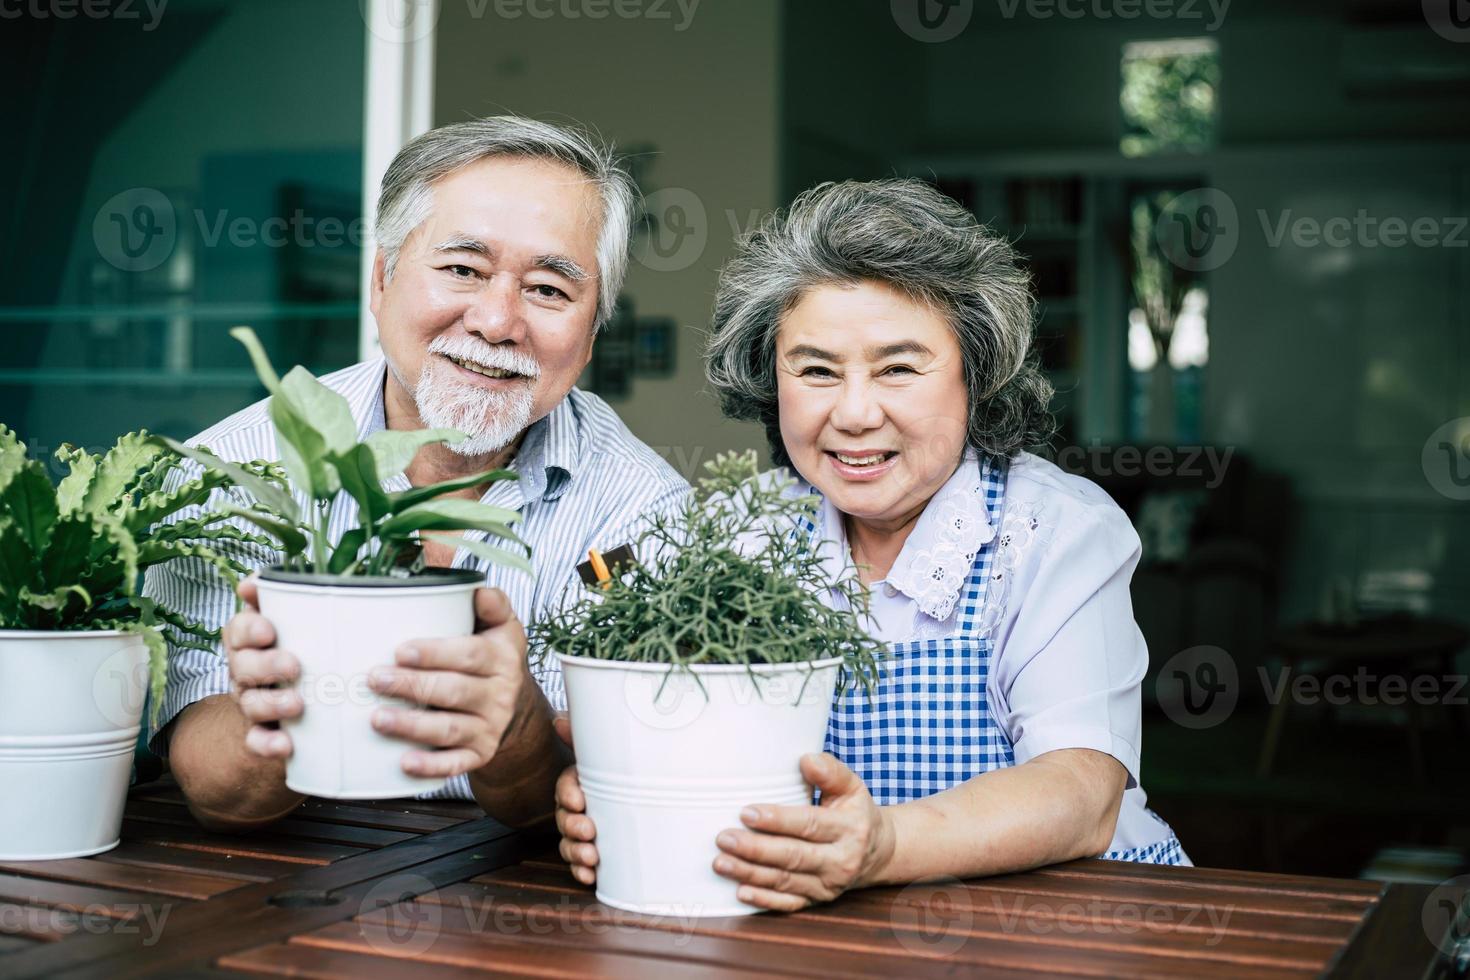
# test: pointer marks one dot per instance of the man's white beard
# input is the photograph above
(491, 419)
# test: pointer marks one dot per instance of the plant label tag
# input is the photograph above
(617, 559)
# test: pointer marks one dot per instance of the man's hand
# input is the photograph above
(256, 666)
(475, 683)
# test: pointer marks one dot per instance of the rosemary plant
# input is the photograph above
(732, 579)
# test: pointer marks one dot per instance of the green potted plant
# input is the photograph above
(342, 607)
(697, 680)
(79, 645)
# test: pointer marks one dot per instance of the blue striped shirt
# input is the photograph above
(585, 481)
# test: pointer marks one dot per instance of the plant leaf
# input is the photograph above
(112, 565)
(158, 552)
(394, 449)
(404, 499)
(263, 369)
(292, 407)
(292, 539)
(346, 551)
(326, 410)
(118, 470)
(302, 450)
(156, 506)
(499, 556)
(57, 600)
(452, 514)
(18, 570)
(359, 475)
(272, 497)
(69, 553)
(29, 500)
(12, 454)
(81, 469)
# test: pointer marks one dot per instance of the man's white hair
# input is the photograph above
(407, 198)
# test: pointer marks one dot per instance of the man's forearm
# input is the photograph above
(227, 788)
(517, 786)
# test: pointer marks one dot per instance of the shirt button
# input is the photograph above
(889, 590)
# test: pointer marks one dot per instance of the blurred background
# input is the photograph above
(1247, 224)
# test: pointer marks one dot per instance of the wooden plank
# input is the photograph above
(1394, 940)
(409, 821)
(463, 809)
(9, 943)
(412, 816)
(326, 963)
(520, 955)
(1228, 878)
(75, 897)
(241, 868)
(271, 846)
(974, 944)
(201, 932)
(178, 884)
(38, 922)
(487, 920)
(1206, 923)
(140, 813)
(1061, 890)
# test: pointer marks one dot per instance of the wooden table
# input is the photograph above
(379, 889)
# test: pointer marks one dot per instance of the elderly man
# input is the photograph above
(502, 244)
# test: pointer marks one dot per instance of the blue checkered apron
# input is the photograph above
(929, 725)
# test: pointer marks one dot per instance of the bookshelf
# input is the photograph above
(1052, 220)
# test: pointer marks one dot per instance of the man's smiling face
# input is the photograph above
(488, 317)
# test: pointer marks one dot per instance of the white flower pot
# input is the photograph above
(340, 629)
(666, 766)
(71, 705)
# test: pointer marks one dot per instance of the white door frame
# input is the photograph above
(398, 104)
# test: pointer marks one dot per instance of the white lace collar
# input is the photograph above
(936, 559)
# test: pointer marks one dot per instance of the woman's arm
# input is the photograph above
(1060, 805)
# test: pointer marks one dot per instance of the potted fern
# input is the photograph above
(342, 606)
(79, 645)
(695, 683)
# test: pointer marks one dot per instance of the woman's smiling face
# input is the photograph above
(871, 392)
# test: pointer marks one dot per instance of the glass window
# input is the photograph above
(183, 173)
(1169, 96)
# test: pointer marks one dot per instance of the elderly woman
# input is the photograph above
(882, 337)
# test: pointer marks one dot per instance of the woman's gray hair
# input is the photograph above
(909, 236)
(407, 196)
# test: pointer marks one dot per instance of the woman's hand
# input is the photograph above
(794, 856)
(577, 831)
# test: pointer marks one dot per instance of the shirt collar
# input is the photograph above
(548, 457)
(938, 554)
